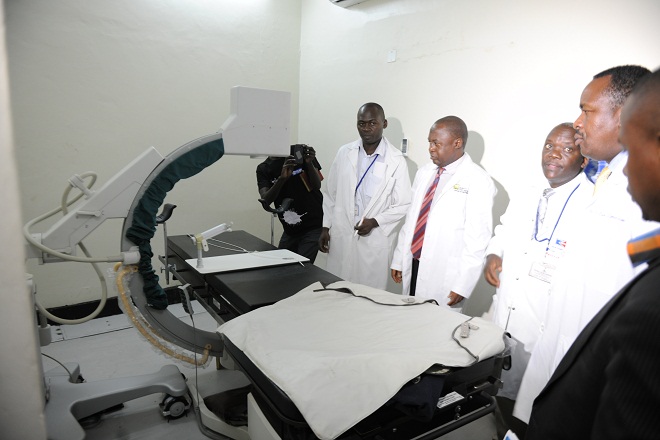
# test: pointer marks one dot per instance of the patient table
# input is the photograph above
(353, 362)
(465, 386)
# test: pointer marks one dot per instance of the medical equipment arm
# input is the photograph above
(258, 125)
(59, 243)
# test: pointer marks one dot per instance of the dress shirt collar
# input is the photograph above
(381, 149)
(619, 161)
(452, 167)
(564, 190)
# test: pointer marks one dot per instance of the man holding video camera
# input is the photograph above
(296, 177)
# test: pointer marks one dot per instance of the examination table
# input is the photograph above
(351, 362)
(251, 303)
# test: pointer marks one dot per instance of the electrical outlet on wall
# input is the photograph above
(404, 146)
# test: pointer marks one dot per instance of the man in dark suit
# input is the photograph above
(608, 386)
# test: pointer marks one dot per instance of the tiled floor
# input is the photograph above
(109, 347)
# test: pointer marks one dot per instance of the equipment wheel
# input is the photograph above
(174, 407)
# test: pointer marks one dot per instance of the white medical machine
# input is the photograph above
(258, 124)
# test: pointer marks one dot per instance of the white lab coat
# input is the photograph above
(364, 259)
(458, 229)
(591, 272)
(520, 303)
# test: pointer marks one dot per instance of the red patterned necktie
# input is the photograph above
(420, 227)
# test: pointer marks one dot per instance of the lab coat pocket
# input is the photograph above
(381, 199)
(377, 239)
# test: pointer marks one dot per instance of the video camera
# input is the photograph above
(298, 151)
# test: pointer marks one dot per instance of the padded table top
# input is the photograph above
(249, 289)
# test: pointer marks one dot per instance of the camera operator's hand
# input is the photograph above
(310, 154)
(309, 165)
(288, 167)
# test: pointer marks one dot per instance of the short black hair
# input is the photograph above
(375, 106)
(456, 126)
(647, 93)
(647, 83)
(622, 81)
(565, 125)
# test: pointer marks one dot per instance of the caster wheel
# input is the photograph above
(174, 407)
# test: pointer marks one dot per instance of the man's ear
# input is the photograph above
(385, 123)
(585, 161)
(458, 143)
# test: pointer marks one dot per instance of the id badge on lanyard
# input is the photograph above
(544, 270)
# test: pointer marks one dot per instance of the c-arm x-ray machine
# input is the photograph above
(258, 125)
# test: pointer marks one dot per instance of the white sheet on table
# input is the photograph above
(250, 260)
(339, 358)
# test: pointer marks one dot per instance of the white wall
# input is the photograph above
(21, 407)
(96, 83)
(511, 69)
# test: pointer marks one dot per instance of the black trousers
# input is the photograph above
(413, 276)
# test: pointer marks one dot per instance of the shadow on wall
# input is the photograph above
(394, 134)
(482, 297)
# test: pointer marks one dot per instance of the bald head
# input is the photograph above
(640, 135)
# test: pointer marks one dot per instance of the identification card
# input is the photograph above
(556, 250)
(542, 270)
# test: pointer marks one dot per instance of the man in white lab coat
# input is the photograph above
(447, 263)
(367, 193)
(522, 256)
(597, 266)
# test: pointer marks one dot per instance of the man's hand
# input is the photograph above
(324, 240)
(366, 226)
(492, 269)
(288, 167)
(310, 154)
(396, 276)
(454, 298)
(310, 169)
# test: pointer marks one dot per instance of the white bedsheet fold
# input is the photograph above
(340, 357)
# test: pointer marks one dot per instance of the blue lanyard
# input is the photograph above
(536, 227)
(365, 173)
